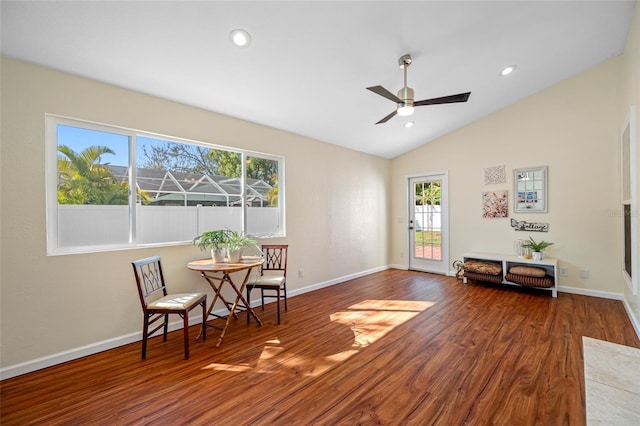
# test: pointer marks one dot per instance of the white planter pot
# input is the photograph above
(234, 256)
(537, 255)
(217, 256)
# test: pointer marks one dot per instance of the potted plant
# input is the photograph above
(216, 241)
(536, 247)
(236, 243)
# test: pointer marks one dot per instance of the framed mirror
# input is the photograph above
(530, 190)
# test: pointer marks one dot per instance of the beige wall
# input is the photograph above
(336, 206)
(573, 128)
(631, 66)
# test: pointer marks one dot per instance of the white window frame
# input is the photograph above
(628, 184)
(51, 166)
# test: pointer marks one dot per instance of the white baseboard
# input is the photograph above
(632, 317)
(71, 354)
(402, 267)
(329, 283)
(594, 293)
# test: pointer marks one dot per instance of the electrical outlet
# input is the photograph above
(300, 273)
(564, 271)
(584, 273)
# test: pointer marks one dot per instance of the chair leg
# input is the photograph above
(185, 319)
(204, 320)
(262, 296)
(284, 291)
(278, 297)
(249, 303)
(145, 335)
(166, 326)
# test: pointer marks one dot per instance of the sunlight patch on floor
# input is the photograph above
(369, 321)
(228, 367)
(392, 305)
(372, 319)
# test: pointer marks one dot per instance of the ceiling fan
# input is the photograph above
(405, 101)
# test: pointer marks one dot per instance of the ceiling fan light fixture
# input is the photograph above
(240, 37)
(405, 110)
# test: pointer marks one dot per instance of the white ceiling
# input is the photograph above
(309, 64)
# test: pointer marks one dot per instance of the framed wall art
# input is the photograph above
(530, 190)
(495, 204)
(493, 175)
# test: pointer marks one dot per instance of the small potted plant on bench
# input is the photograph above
(536, 247)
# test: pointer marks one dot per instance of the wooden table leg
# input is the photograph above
(217, 283)
(227, 277)
(217, 295)
(239, 297)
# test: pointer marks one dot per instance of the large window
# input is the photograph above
(182, 188)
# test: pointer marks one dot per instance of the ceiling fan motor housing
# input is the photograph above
(406, 95)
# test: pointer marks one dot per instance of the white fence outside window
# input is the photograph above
(428, 217)
(90, 225)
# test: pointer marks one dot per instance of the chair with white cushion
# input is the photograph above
(157, 303)
(273, 275)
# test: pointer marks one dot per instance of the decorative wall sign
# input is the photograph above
(494, 175)
(521, 225)
(494, 204)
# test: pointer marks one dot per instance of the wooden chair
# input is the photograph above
(157, 304)
(275, 280)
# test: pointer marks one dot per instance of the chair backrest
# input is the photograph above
(275, 258)
(148, 272)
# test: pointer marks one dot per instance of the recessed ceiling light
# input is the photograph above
(508, 70)
(240, 37)
(408, 124)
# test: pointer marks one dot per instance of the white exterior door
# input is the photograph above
(428, 223)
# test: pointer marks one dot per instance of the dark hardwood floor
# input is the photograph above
(395, 347)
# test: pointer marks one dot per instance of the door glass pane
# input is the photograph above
(428, 220)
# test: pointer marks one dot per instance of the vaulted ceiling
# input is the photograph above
(309, 63)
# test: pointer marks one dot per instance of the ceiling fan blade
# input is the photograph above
(387, 118)
(384, 93)
(460, 97)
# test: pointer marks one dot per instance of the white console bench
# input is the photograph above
(549, 264)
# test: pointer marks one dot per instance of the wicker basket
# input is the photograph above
(543, 282)
(483, 277)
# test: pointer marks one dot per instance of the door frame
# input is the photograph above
(445, 221)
